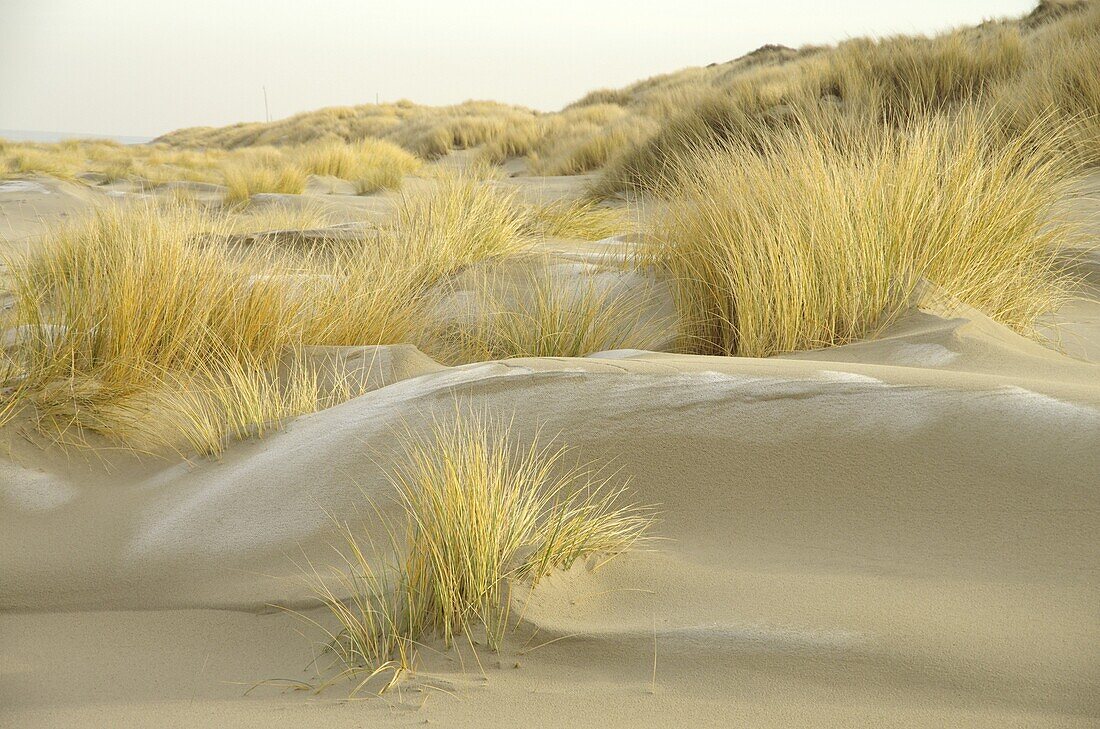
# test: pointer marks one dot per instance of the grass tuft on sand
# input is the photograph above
(481, 512)
(153, 314)
(244, 180)
(803, 242)
(540, 313)
(579, 220)
(370, 164)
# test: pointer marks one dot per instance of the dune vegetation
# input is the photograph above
(1033, 66)
(797, 241)
(370, 165)
(481, 512)
(787, 200)
(159, 327)
(540, 312)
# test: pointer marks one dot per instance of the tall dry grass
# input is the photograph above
(242, 181)
(1059, 85)
(118, 311)
(461, 215)
(150, 326)
(536, 309)
(370, 164)
(482, 511)
(579, 220)
(805, 243)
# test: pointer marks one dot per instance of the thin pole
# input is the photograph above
(267, 112)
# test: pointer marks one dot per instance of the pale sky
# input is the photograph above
(144, 67)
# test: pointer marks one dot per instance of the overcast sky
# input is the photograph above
(144, 67)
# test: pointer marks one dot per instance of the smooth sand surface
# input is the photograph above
(898, 532)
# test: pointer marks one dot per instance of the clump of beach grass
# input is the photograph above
(154, 326)
(370, 164)
(482, 511)
(541, 313)
(63, 163)
(245, 179)
(579, 219)
(126, 304)
(459, 222)
(803, 243)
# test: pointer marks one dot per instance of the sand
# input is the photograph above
(898, 532)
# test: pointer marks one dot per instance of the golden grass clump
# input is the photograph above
(733, 116)
(460, 221)
(118, 310)
(56, 161)
(541, 314)
(370, 164)
(579, 220)
(242, 181)
(482, 512)
(807, 243)
(159, 327)
(589, 146)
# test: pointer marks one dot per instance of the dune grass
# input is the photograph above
(370, 164)
(1037, 67)
(579, 220)
(540, 313)
(898, 79)
(588, 147)
(150, 326)
(805, 243)
(481, 511)
(808, 191)
(118, 310)
(464, 217)
(242, 181)
(1058, 85)
(263, 218)
(26, 159)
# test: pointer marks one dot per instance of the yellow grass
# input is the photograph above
(1037, 68)
(897, 79)
(371, 164)
(540, 314)
(465, 217)
(147, 326)
(1059, 85)
(580, 220)
(25, 159)
(242, 181)
(589, 147)
(482, 511)
(124, 305)
(809, 245)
